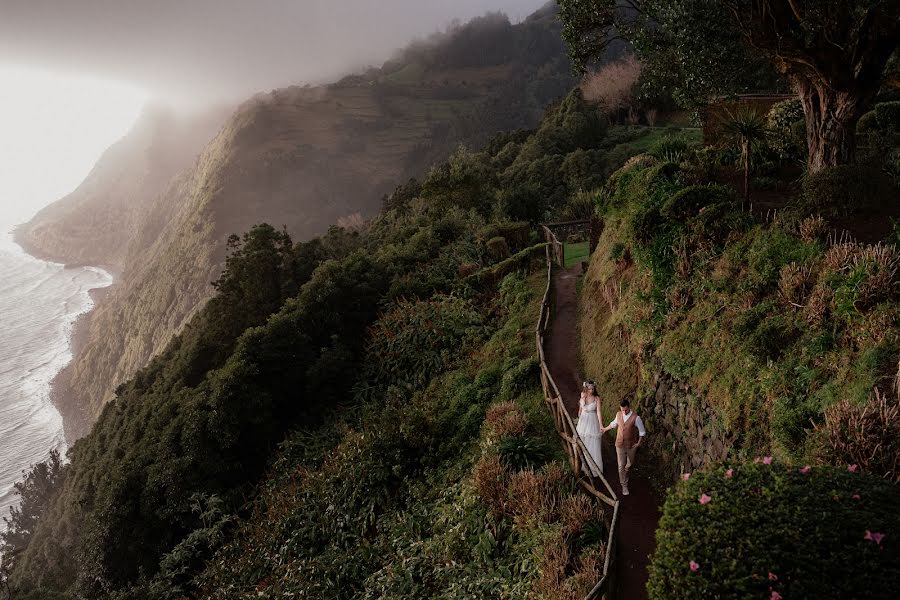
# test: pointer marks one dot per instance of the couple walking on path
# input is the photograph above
(629, 428)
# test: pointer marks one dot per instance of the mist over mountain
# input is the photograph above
(226, 49)
(298, 157)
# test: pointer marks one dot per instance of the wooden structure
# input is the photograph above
(588, 229)
(583, 465)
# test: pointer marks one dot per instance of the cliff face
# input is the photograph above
(300, 158)
(95, 224)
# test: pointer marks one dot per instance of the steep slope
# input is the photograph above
(95, 223)
(302, 158)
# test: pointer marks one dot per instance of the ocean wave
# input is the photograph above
(40, 301)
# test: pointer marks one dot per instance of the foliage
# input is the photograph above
(773, 325)
(803, 533)
(671, 148)
(396, 509)
(35, 491)
(415, 340)
(781, 119)
(612, 86)
(845, 190)
(748, 129)
(520, 452)
(856, 432)
(686, 48)
(159, 486)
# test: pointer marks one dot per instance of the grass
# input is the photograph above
(643, 144)
(574, 253)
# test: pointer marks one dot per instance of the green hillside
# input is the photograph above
(344, 382)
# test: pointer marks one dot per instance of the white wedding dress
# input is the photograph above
(589, 430)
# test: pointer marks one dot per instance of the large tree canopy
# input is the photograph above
(686, 47)
(833, 52)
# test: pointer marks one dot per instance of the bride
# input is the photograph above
(589, 424)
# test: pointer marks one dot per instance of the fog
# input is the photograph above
(217, 50)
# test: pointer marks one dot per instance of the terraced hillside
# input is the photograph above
(302, 158)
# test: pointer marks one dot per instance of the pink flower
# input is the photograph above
(773, 576)
(806, 469)
(729, 473)
(694, 566)
(776, 595)
(874, 537)
(767, 460)
(704, 499)
(685, 476)
(853, 468)
(856, 496)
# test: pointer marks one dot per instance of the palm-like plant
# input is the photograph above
(749, 129)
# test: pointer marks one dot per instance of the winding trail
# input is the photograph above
(640, 511)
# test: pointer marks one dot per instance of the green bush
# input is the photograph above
(846, 190)
(413, 341)
(670, 148)
(867, 123)
(770, 527)
(782, 135)
(887, 115)
(522, 452)
(517, 234)
(497, 248)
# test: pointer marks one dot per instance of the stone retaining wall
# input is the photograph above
(683, 431)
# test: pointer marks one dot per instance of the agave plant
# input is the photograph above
(749, 129)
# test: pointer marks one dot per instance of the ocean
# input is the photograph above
(39, 303)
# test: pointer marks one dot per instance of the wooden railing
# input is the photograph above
(583, 464)
(586, 230)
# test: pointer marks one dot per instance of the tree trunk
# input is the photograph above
(745, 150)
(831, 117)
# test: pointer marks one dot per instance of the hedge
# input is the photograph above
(797, 532)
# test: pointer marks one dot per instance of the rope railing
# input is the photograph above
(588, 473)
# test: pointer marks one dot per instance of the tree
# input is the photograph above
(748, 128)
(834, 53)
(35, 492)
(686, 47)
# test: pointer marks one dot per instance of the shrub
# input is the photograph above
(764, 182)
(812, 228)
(413, 341)
(490, 478)
(516, 234)
(867, 123)
(506, 419)
(845, 190)
(887, 115)
(497, 248)
(612, 85)
(808, 530)
(782, 136)
(868, 276)
(523, 452)
(866, 434)
(670, 148)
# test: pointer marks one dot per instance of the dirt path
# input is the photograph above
(640, 511)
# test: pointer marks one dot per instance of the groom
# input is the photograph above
(629, 435)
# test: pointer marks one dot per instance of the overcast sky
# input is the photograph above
(223, 48)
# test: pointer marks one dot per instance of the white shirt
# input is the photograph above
(638, 423)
